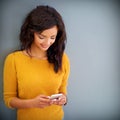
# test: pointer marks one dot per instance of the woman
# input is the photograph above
(41, 68)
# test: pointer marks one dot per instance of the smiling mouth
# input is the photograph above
(43, 46)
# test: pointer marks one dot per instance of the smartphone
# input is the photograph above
(55, 96)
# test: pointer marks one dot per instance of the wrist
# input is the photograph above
(30, 103)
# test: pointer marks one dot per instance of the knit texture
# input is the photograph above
(27, 77)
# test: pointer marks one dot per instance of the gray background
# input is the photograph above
(93, 32)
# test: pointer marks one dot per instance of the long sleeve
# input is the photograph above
(9, 79)
(66, 69)
(27, 78)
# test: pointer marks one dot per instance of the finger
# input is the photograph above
(45, 103)
(44, 96)
(44, 99)
(62, 101)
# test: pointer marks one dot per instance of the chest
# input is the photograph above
(38, 77)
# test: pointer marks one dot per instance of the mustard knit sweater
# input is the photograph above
(27, 77)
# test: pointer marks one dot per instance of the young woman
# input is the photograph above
(40, 69)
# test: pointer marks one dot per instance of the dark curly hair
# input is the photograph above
(38, 20)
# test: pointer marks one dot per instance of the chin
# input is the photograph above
(44, 49)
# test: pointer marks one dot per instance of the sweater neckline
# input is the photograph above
(33, 58)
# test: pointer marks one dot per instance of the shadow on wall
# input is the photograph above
(7, 114)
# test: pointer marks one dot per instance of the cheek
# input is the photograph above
(38, 41)
(52, 42)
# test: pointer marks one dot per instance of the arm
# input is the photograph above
(62, 100)
(40, 101)
(66, 70)
(10, 89)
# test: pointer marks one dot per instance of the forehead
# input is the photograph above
(50, 31)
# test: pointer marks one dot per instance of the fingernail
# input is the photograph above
(54, 99)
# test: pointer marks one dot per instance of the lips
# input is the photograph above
(44, 46)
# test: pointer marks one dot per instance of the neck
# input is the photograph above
(37, 53)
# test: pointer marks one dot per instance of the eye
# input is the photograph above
(53, 38)
(41, 37)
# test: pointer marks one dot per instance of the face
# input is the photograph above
(44, 40)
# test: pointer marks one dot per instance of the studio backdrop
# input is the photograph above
(93, 47)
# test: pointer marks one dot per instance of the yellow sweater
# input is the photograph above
(27, 78)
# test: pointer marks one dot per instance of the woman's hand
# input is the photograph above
(62, 100)
(41, 101)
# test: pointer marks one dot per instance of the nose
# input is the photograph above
(48, 41)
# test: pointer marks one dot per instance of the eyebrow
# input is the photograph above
(42, 35)
(46, 36)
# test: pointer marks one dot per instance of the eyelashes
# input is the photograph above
(42, 38)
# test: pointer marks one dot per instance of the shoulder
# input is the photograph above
(66, 64)
(12, 56)
(65, 60)
(65, 57)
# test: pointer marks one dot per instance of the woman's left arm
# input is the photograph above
(62, 100)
